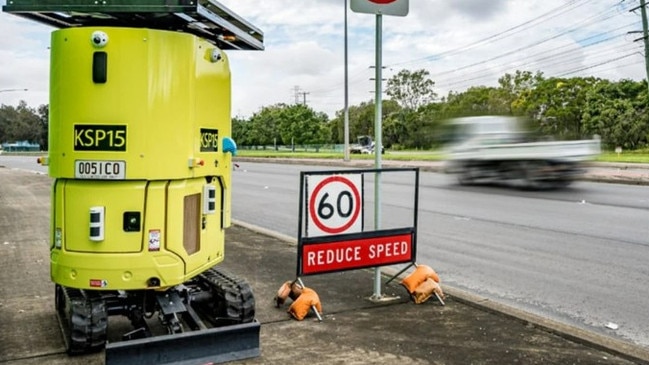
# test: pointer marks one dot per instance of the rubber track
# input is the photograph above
(238, 302)
(86, 318)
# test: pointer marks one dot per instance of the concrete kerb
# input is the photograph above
(614, 172)
(589, 338)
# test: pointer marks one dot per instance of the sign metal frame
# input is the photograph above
(393, 239)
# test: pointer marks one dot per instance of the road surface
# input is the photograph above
(577, 255)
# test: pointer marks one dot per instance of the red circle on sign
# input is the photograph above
(382, 1)
(314, 214)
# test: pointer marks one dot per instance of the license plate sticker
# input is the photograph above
(100, 170)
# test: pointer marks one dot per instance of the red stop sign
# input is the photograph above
(382, 1)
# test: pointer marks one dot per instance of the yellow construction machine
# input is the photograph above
(140, 152)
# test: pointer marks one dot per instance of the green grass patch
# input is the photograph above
(397, 156)
(638, 156)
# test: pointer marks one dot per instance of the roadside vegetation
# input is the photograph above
(415, 118)
(639, 156)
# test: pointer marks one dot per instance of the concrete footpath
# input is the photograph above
(355, 330)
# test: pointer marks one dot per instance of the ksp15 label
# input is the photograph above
(96, 137)
(209, 140)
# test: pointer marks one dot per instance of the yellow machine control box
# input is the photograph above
(129, 104)
(141, 155)
(140, 152)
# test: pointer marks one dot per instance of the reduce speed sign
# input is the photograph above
(334, 204)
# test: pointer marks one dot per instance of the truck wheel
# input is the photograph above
(535, 176)
(466, 178)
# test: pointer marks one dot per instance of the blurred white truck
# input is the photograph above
(497, 149)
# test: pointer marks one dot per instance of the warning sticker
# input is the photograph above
(154, 240)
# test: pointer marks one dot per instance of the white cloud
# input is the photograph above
(25, 61)
(462, 43)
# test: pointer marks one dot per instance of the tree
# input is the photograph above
(617, 111)
(21, 123)
(285, 124)
(411, 89)
(362, 120)
(514, 89)
(299, 124)
(241, 131)
(556, 106)
(43, 121)
(264, 126)
(474, 101)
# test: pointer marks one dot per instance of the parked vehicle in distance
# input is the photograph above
(365, 145)
(498, 149)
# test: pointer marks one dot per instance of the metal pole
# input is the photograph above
(645, 36)
(346, 111)
(377, 146)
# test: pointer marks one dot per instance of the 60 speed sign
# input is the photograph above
(334, 204)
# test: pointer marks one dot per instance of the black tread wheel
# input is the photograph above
(232, 300)
(84, 319)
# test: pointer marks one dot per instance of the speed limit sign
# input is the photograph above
(334, 204)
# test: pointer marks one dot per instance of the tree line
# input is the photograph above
(22, 123)
(415, 117)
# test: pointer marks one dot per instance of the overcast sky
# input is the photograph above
(462, 43)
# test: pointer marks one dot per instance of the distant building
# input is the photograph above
(20, 146)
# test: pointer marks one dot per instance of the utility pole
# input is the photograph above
(296, 94)
(304, 94)
(645, 37)
(346, 112)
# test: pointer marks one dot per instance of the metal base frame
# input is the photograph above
(215, 345)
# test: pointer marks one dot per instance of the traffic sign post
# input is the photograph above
(379, 7)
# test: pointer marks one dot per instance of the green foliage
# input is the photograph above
(618, 113)
(474, 101)
(362, 119)
(22, 123)
(556, 105)
(282, 124)
(299, 124)
(566, 108)
(411, 90)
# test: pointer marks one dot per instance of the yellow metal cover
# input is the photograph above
(158, 246)
(142, 191)
(137, 104)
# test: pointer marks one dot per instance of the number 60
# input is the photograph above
(326, 210)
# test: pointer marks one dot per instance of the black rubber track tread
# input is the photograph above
(234, 301)
(86, 317)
